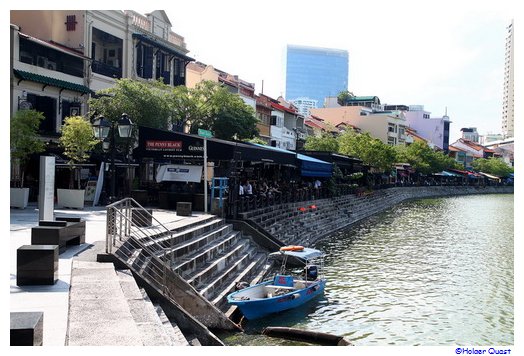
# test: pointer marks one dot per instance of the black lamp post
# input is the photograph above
(101, 129)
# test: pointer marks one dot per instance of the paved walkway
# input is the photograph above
(53, 300)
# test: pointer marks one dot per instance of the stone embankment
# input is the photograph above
(306, 222)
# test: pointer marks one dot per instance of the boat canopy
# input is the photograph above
(305, 254)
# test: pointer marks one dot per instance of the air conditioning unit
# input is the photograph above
(41, 61)
(51, 65)
(26, 58)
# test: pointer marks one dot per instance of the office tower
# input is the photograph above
(314, 73)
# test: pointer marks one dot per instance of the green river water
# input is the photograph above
(427, 272)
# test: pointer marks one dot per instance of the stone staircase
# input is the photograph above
(208, 255)
(290, 225)
(304, 223)
(120, 313)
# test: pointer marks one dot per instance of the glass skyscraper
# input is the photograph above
(315, 73)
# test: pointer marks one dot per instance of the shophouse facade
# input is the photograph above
(198, 72)
(389, 127)
(61, 57)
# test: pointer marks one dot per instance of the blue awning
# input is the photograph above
(309, 166)
(312, 167)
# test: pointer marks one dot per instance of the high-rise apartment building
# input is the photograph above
(508, 101)
(314, 73)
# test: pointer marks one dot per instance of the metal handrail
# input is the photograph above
(144, 244)
(126, 226)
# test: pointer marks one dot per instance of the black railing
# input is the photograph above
(106, 69)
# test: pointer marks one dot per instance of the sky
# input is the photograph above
(445, 55)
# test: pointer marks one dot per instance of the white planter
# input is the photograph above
(19, 197)
(71, 198)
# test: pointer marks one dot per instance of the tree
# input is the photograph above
(146, 103)
(24, 139)
(77, 140)
(190, 107)
(492, 165)
(370, 150)
(343, 97)
(212, 107)
(233, 119)
(326, 143)
(257, 140)
(424, 159)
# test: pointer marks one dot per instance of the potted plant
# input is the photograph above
(24, 142)
(77, 139)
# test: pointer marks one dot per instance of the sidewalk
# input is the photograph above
(53, 300)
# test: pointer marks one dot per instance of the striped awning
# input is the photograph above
(23, 75)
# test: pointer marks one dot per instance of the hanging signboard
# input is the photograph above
(179, 173)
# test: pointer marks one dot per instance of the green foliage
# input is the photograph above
(356, 175)
(424, 159)
(257, 140)
(212, 107)
(233, 118)
(492, 165)
(24, 139)
(77, 140)
(326, 143)
(343, 97)
(24, 134)
(370, 150)
(191, 106)
(146, 103)
(331, 184)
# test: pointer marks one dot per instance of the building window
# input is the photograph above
(70, 23)
(106, 53)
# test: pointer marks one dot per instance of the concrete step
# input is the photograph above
(215, 266)
(150, 328)
(95, 287)
(174, 333)
(193, 261)
(167, 239)
(187, 247)
(212, 285)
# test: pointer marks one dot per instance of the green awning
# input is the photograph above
(51, 81)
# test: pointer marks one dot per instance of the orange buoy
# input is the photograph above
(292, 248)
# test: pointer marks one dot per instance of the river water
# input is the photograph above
(427, 272)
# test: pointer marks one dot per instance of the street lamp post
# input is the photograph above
(101, 129)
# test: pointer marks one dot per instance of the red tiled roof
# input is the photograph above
(283, 108)
(455, 149)
(313, 124)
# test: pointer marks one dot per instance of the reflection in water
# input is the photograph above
(428, 272)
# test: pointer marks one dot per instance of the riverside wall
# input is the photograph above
(290, 224)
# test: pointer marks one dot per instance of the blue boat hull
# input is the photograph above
(260, 307)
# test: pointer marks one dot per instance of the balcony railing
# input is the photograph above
(107, 70)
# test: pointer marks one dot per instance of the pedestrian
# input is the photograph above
(317, 184)
(248, 188)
